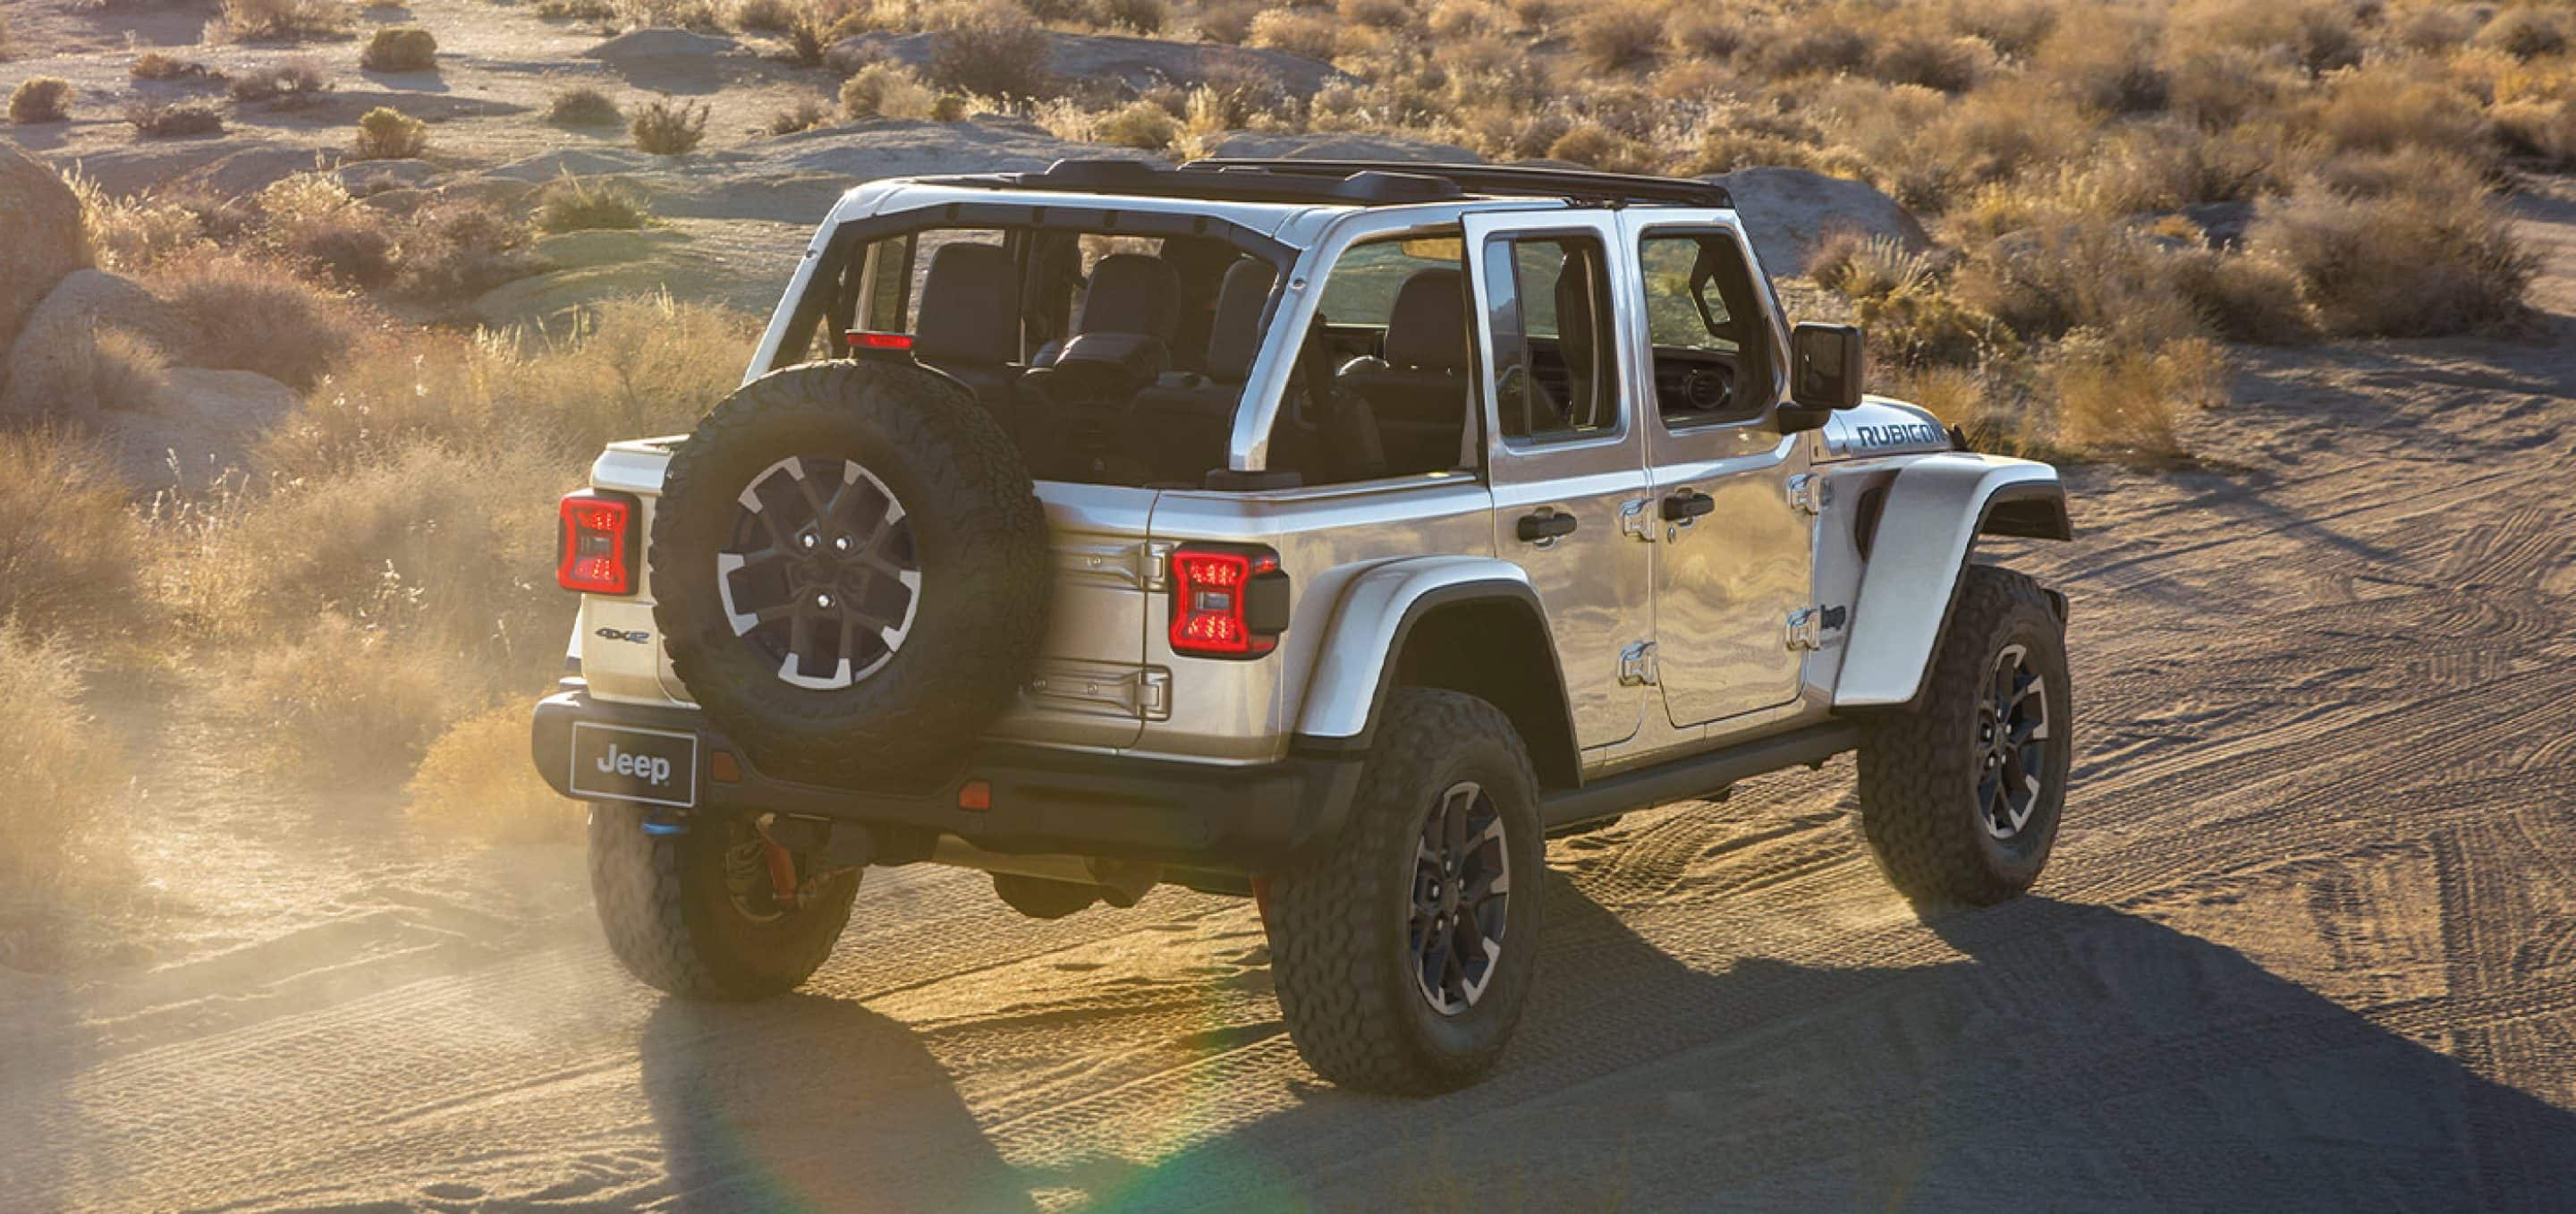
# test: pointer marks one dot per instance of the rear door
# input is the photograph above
(1566, 457)
(1733, 497)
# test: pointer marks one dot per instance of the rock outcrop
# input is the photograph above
(54, 362)
(1789, 212)
(44, 240)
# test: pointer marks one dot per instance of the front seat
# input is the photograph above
(1132, 294)
(1418, 391)
(969, 321)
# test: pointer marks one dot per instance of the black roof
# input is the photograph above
(1349, 182)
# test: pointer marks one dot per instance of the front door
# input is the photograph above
(1732, 496)
(1567, 459)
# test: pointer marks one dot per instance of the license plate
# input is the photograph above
(623, 763)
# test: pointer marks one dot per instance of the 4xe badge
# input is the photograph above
(632, 637)
(625, 763)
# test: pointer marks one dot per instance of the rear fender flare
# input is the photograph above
(1934, 510)
(1357, 661)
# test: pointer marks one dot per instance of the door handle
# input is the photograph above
(1544, 528)
(1686, 505)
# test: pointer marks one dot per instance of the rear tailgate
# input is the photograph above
(1090, 686)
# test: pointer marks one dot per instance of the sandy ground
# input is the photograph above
(2307, 941)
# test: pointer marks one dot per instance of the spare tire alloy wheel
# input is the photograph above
(820, 577)
(1461, 899)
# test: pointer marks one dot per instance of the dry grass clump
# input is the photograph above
(574, 204)
(993, 55)
(886, 90)
(2114, 397)
(1148, 17)
(158, 65)
(2399, 264)
(288, 85)
(386, 133)
(454, 249)
(41, 99)
(583, 106)
(344, 703)
(175, 119)
(1619, 37)
(2525, 33)
(805, 115)
(259, 316)
(476, 782)
(69, 546)
(578, 10)
(310, 219)
(136, 232)
(1313, 35)
(1143, 125)
(667, 129)
(400, 48)
(282, 20)
(64, 772)
(766, 16)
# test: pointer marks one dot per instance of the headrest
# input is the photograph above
(1428, 329)
(1234, 333)
(970, 308)
(1131, 293)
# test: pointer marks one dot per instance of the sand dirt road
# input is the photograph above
(2309, 940)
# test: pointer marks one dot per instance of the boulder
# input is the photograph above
(1788, 213)
(45, 240)
(204, 425)
(53, 362)
(246, 172)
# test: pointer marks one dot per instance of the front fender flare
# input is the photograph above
(1933, 511)
(1357, 659)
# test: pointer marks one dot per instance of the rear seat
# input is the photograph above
(1418, 391)
(1185, 422)
(968, 326)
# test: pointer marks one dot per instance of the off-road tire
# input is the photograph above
(1338, 949)
(1919, 766)
(1039, 898)
(977, 528)
(670, 920)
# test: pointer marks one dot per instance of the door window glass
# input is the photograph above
(1548, 312)
(1711, 343)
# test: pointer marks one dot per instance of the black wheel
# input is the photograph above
(1039, 898)
(851, 571)
(1402, 955)
(1961, 795)
(697, 913)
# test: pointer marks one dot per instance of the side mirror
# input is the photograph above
(1824, 374)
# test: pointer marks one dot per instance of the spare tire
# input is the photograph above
(851, 572)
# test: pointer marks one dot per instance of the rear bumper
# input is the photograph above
(1044, 800)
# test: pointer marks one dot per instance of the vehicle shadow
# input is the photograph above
(2077, 1058)
(812, 1103)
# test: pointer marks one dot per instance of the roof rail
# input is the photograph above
(1368, 185)
(1581, 185)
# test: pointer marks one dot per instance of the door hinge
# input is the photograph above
(1806, 629)
(1637, 665)
(1634, 520)
(1809, 494)
(1064, 684)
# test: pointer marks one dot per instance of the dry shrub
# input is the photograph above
(345, 703)
(583, 106)
(2545, 130)
(1148, 17)
(2525, 33)
(258, 316)
(2106, 63)
(640, 366)
(2222, 86)
(572, 204)
(476, 782)
(2378, 111)
(58, 827)
(69, 548)
(459, 248)
(1313, 35)
(886, 90)
(805, 115)
(1596, 146)
(1229, 23)
(310, 219)
(1619, 37)
(158, 65)
(2111, 396)
(2316, 36)
(385, 133)
(1947, 63)
(2013, 27)
(294, 83)
(1142, 124)
(667, 129)
(2401, 264)
(994, 56)
(283, 20)
(766, 16)
(807, 41)
(2099, 274)
(2245, 298)
(175, 119)
(578, 10)
(400, 48)
(135, 232)
(1706, 32)
(41, 99)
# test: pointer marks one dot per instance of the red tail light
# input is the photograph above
(1228, 601)
(595, 543)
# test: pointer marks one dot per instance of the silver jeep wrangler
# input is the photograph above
(1328, 533)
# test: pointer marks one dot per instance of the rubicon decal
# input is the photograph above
(1900, 434)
